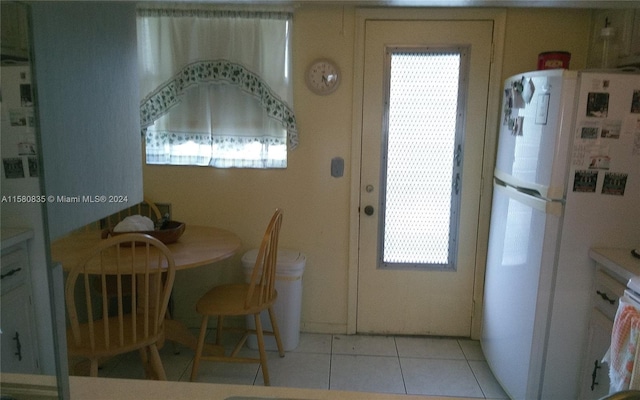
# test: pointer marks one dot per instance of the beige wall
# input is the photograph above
(532, 31)
(316, 205)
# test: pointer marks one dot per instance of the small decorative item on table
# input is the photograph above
(168, 232)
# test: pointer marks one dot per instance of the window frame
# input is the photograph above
(205, 68)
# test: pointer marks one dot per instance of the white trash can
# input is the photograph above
(288, 306)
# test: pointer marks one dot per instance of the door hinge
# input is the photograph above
(457, 155)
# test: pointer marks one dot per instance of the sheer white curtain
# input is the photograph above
(216, 86)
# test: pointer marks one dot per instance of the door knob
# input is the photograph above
(368, 210)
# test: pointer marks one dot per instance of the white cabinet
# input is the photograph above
(88, 109)
(18, 335)
(595, 382)
(614, 267)
(619, 45)
(607, 291)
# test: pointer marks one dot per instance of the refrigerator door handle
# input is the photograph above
(546, 206)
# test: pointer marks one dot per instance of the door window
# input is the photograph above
(421, 157)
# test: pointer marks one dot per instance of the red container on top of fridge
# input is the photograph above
(554, 60)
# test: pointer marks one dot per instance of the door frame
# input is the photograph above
(498, 16)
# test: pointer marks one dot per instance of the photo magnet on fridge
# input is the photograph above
(585, 181)
(614, 183)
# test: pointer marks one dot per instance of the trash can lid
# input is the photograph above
(288, 260)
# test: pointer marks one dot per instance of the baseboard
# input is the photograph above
(323, 327)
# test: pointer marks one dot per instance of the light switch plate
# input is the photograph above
(337, 167)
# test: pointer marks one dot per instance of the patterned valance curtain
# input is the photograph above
(216, 86)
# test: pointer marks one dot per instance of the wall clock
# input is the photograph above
(323, 77)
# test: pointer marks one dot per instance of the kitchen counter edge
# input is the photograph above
(124, 389)
(617, 260)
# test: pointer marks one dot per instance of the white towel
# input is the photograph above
(624, 351)
(134, 223)
(634, 383)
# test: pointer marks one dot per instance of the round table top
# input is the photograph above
(198, 245)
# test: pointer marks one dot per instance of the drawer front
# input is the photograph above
(608, 291)
(13, 270)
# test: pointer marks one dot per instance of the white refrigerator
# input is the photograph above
(567, 178)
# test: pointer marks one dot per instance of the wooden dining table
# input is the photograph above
(198, 246)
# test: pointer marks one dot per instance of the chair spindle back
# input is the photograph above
(263, 276)
(141, 267)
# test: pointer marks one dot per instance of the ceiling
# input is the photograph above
(440, 3)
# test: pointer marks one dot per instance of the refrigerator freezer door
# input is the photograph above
(517, 294)
(535, 131)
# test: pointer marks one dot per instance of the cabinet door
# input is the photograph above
(18, 344)
(595, 381)
(86, 71)
(622, 39)
(13, 32)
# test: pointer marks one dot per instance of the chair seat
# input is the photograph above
(230, 300)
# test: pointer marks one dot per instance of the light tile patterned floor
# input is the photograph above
(385, 364)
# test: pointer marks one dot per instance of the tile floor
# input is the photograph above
(385, 364)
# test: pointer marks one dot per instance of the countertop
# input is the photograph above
(11, 236)
(617, 260)
(124, 389)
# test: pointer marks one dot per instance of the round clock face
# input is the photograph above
(323, 77)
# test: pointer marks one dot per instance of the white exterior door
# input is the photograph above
(417, 297)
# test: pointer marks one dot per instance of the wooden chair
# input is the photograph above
(148, 209)
(245, 299)
(153, 209)
(144, 265)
